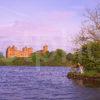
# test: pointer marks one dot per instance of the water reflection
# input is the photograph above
(43, 83)
(86, 83)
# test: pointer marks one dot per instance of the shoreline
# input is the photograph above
(31, 66)
(83, 77)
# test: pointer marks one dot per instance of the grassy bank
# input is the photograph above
(90, 76)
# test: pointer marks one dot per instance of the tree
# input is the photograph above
(89, 56)
(69, 56)
(21, 61)
(2, 62)
(89, 40)
(58, 57)
(54, 58)
(1, 55)
(90, 30)
(36, 58)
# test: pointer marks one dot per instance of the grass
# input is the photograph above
(90, 73)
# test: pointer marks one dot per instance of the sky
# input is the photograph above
(34, 23)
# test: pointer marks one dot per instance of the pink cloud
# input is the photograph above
(48, 22)
(53, 28)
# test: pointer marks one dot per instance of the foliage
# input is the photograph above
(58, 58)
(69, 56)
(89, 39)
(90, 29)
(90, 73)
(89, 56)
(54, 58)
(2, 62)
(1, 55)
(21, 61)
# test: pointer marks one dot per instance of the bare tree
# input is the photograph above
(90, 30)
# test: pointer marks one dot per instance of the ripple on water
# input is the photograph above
(42, 83)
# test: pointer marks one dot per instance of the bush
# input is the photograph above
(89, 56)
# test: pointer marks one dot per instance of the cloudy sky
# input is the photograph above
(38, 22)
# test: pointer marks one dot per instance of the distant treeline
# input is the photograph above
(53, 58)
(88, 56)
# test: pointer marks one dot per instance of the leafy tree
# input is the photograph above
(58, 57)
(54, 58)
(89, 56)
(1, 55)
(21, 61)
(69, 56)
(2, 62)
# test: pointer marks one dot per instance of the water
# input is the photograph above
(42, 83)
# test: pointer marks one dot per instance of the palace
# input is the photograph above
(25, 52)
